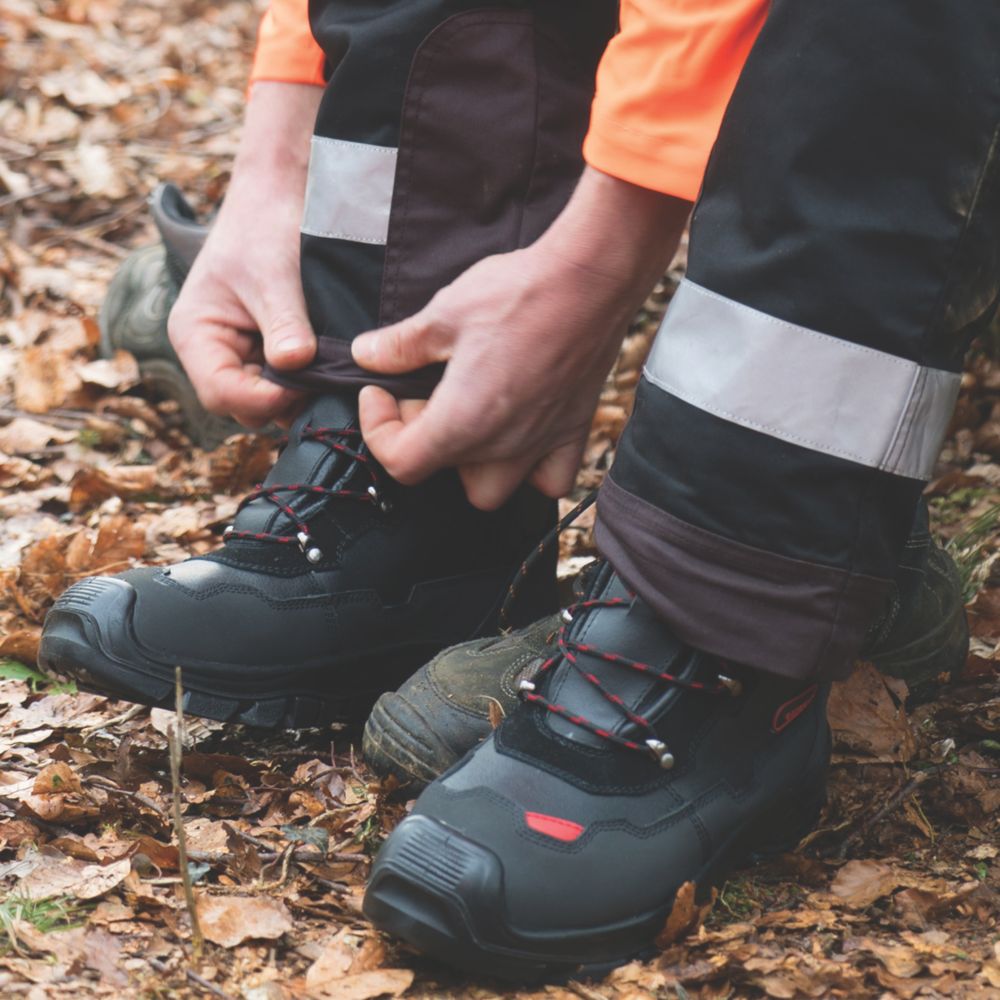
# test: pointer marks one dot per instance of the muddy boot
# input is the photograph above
(449, 706)
(134, 313)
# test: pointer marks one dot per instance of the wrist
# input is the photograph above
(274, 149)
(619, 233)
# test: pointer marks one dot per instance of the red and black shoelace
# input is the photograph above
(344, 440)
(569, 650)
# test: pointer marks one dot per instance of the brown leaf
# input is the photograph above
(22, 436)
(333, 962)
(367, 985)
(867, 719)
(859, 883)
(686, 915)
(57, 779)
(22, 645)
(231, 920)
(57, 875)
(120, 372)
(44, 381)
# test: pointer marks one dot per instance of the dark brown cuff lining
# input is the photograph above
(782, 615)
(334, 368)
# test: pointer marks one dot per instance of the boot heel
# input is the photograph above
(787, 824)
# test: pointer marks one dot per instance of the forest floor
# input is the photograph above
(895, 894)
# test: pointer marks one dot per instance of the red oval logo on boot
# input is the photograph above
(558, 829)
(786, 714)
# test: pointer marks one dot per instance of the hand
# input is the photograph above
(246, 277)
(528, 338)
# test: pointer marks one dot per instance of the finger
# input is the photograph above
(225, 384)
(403, 347)
(489, 484)
(556, 473)
(406, 450)
(289, 341)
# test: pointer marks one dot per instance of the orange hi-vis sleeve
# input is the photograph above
(286, 49)
(663, 86)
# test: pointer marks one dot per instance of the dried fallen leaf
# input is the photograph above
(56, 875)
(686, 915)
(231, 920)
(859, 883)
(367, 985)
(57, 779)
(867, 719)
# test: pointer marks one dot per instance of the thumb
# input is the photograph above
(289, 341)
(403, 347)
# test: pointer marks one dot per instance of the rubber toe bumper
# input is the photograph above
(88, 636)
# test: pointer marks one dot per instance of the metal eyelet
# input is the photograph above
(312, 553)
(383, 505)
(566, 615)
(661, 754)
(526, 686)
(228, 532)
(731, 684)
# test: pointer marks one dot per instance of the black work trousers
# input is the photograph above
(844, 251)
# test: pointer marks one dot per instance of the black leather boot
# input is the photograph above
(335, 583)
(450, 705)
(634, 765)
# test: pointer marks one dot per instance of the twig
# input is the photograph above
(201, 981)
(12, 199)
(108, 785)
(125, 716)
(176, 741)
(899, 796)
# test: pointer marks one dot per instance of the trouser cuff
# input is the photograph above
(782, 615)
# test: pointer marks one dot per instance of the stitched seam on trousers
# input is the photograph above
(437, 39)
(340, 236)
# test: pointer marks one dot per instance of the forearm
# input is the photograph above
(623, 235)
(274, 151)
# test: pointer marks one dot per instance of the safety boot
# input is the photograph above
(450, 705)
(140, 296)
(333, 585)
(635, 764)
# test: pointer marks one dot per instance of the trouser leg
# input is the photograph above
(843, 253)
(449, 130)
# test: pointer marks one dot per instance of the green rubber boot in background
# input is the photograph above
(134, 313)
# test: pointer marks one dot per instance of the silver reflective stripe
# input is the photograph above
(801, 386)
(349, 190)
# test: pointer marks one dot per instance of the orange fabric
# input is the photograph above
(286, 49)
(663, 86)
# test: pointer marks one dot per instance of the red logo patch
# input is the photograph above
(552, 826)
(786, 714)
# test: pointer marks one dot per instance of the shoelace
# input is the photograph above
(334, 438)
(569, 650)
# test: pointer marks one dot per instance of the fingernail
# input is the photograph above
(288, 345)
(363, 348)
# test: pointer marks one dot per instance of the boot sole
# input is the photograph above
(74, 645)
(437, 890)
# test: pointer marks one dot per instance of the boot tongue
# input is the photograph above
(630, 630)
(304, 461)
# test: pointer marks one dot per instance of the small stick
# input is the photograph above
(201, 981)
(894, 800)
(176, 741)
